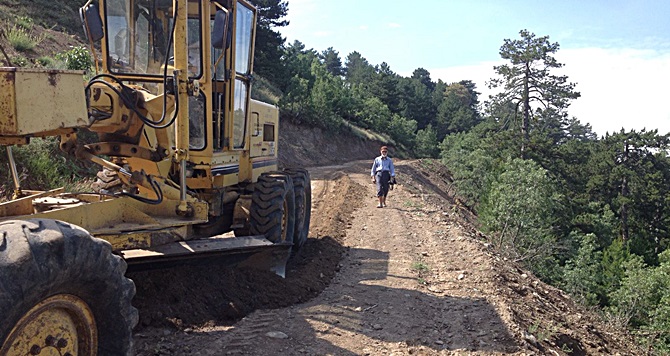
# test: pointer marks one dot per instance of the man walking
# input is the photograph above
(381, 173)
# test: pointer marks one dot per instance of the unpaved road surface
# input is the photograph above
(412, 278)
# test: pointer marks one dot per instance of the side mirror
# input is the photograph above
(220, 29)
(90, 18)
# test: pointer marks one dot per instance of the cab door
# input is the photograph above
(245, 16)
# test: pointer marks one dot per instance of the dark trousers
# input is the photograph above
(382, 178)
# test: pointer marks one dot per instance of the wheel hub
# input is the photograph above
(59, 325)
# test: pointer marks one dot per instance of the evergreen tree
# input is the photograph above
(357, 69)
(384, 85)
(458, 110)
(426, 143)
(629, 172)
(267, 51)
(417, 100)
(331, 59)
(527, 80)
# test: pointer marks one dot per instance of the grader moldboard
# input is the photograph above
(188, 171)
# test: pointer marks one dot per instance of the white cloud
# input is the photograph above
(394, 25)
(363, 27)
(619, 87)
(323, 33)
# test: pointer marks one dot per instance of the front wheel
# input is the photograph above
(303, 204)
(62, 290)
(273, 207)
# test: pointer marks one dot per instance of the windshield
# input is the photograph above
(138, 32)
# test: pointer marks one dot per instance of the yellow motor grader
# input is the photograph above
(188, 171)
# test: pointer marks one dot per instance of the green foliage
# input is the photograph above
(269, 42)
(643, 300)
(426, 143)
(403, 130)
(583, 273)
(526, 80)
(46, 61)
(613, 258)
(629, 172)
(42, 166)
(21, 38)
(458, 110)
(265, 91)
(20, 61)
(25, 22)
(331, 59)
(519, 210)
(77, 58)
(471, 164)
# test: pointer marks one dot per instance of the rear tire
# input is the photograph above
(273, 207)
(303, 205)
(49, 267)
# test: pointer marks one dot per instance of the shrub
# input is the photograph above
(46, 61)
(20, 61)
(78, 58)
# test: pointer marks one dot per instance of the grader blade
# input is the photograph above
(249, 251)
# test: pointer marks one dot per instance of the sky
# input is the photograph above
(616, 51)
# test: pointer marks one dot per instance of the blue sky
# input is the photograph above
(616, 51)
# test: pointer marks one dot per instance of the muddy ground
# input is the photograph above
(415, 277)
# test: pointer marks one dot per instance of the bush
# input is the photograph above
(643, 300)
(20, 61)
(46, 61)
(78, 58)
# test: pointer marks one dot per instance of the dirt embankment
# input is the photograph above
(413, 278)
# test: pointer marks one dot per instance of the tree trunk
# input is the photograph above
(526, 112)
(624, 195)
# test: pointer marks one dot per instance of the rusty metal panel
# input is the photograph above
(40, 100)
(7, 102)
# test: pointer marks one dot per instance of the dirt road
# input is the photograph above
(412, 278)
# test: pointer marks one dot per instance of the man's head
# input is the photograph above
(384, 151)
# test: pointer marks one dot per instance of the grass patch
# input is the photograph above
(43, 166)
(420, 266)
(21, 39)
(369, 135)
(427, 163)
(25, 22)
(422, 270)
(46, 62)
(412, 204)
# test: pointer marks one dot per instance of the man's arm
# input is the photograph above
(372, 170)
(392, 169)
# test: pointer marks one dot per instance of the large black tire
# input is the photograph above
(42, 259)
(303, 205)
(273, 207)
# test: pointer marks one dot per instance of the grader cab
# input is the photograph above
(188, 171)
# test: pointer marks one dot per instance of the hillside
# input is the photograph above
(52, 27)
